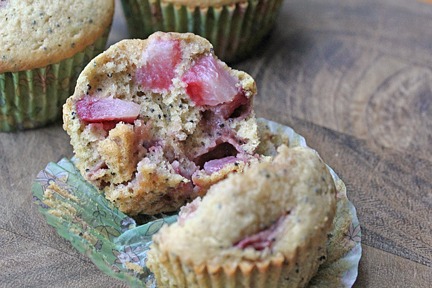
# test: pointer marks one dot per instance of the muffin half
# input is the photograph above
(265, 227)
(154, 123)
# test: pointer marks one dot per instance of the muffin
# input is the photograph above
(234, 27)
(154, 123)
(44, 45)
(265, 227)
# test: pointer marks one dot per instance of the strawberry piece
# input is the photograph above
(227, 110)
(208, 83)
(217, 164)
(263, 239)
(94, 110)
(188, 211)
(160, 60)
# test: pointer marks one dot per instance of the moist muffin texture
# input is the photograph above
(154, 123)
(265, 227)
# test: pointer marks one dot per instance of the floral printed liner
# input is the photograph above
(118, 245)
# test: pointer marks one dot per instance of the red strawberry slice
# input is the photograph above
(94, 110)
(226, 110)
(217, 164)
(263, 239)
(208, 83)
(160, 60)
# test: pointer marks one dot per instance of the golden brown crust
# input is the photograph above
(38, 33)
(116, 149)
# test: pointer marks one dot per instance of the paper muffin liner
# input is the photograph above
(118, 245)
(272, 271)
(34, 98)
(235, 30)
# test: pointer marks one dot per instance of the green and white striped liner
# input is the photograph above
(34, 98)
(235, 30)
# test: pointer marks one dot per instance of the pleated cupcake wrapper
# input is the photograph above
(235, 30)
(118, 245)
(243, 275)
(34, 98)
(275, 271)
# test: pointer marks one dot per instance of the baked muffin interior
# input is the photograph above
(162, 116)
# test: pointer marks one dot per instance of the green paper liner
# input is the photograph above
(34, 98)
(235, 30)
(118, 245)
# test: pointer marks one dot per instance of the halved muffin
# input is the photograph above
(265, 227)
(154, 123)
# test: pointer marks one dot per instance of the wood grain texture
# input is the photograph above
(353, 77)
(358, 67)
(390, 271)
(392, 192)
(28, 263)
(32, 254)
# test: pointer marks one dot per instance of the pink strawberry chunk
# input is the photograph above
(263, 239)
(208, 83)
(160, 60)
(217, 164)
(226, 110)
(93, 110)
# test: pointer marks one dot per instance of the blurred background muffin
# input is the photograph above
(44, 45)
(234, 27)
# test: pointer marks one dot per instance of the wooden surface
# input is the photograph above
(353, 77)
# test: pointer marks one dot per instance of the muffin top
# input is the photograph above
(38, 33)
(272, 208)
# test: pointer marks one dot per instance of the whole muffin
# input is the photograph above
(154, 123)
(265, 227)
(44, 45)
(234, 27)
